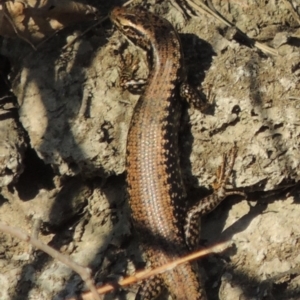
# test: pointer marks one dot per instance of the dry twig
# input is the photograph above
(85, 273)
(204, 9)
(34, 21)
(144, 274)
(91, 27)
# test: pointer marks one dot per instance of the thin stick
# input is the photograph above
(85, 273)
(12, 23)
(202, 8)
(91, 27)
(144, 274)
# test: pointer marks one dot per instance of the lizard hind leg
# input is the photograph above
(209, 203)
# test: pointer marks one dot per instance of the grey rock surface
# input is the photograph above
(77, 116)
(12, 149)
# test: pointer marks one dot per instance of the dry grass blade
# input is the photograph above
(144, 274)
(91, 27)
(34, 21)
(11, 21)
(203, 8)
(85, 273)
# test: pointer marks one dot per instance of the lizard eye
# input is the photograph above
(126, 28)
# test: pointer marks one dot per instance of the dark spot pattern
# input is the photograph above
(155, 187)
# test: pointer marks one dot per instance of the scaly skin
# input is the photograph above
(157, 195)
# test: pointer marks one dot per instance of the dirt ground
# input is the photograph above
(63, 126)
